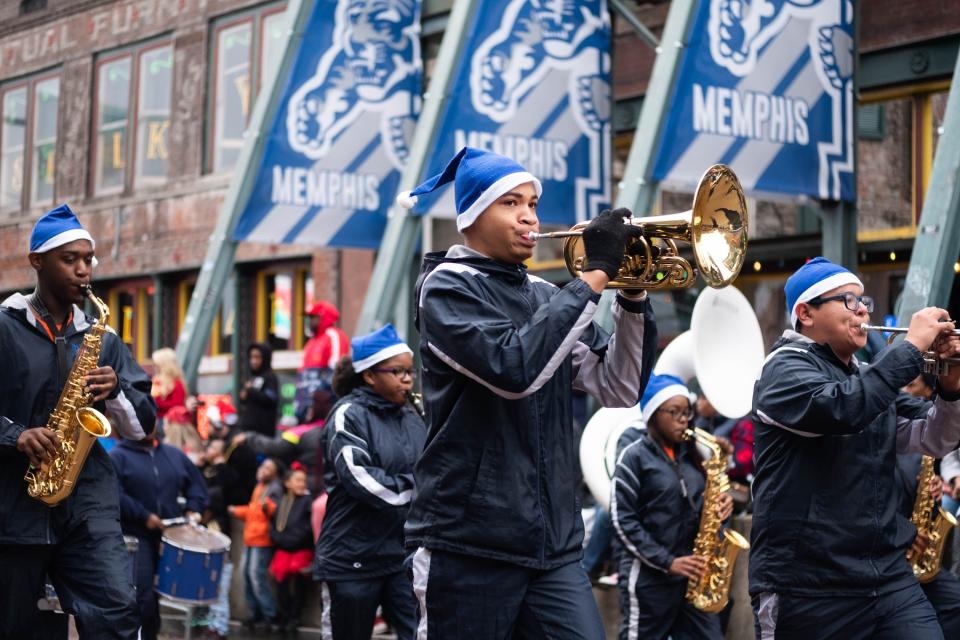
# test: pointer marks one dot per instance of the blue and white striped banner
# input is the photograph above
(332, 165)
(535, 86)
(765, 86)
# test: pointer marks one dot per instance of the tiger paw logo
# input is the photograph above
(741, 30)
(534, 37)
(373, 65)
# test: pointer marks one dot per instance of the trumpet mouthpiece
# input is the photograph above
(532, 236)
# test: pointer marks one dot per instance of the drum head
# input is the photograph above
(193, 537)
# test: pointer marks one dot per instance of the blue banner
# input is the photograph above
(534, 85)
(332, 164)
(767, 88)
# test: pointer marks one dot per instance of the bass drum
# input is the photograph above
(598, 449)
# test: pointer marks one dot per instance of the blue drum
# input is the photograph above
(191, 561)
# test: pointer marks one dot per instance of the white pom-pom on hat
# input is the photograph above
(406, 199)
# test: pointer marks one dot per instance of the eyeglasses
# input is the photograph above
(399, 372)
(851, 301)
(679, 414)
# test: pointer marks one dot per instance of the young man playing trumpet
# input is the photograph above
(495, 520)
(828, 556)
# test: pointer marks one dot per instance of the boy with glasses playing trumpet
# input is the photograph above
(828, 555)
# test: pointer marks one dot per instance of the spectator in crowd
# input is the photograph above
(260, 394)
(179, 432)
(300, 443)
(168, 389)
(259, 549)
(240, 462)
(153, 477)
(293, 543)
(374, 440)
(326, 346)
(656, 501)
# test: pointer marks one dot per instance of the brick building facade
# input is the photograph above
(133, 111)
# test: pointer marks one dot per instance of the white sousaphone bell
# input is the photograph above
(723, 350)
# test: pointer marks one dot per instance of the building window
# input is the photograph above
(136, 81)
(14, 142)
(153, 113)
(243, 45)
(282, 298)
(131, 316)
(28, 134)
(220, 340)
(45, 105)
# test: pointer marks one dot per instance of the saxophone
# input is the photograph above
(935, 526)
(416, 401)
(717, 545)
(78, 425)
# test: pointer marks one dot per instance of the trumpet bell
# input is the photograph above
(719, 226)
(716, 228)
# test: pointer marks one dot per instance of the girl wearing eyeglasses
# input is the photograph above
(373, 437)
(655, 505)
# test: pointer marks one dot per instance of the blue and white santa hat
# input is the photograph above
(382, 344)
(659, 389)
(479, 177)
(814, 279)
(55, 228)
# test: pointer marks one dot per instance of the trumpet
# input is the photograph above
(716, 228)
(931, 362)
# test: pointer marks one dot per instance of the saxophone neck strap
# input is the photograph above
(56, 333)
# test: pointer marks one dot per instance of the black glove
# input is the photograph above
(605, 240)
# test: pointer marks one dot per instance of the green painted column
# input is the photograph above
(935, 249)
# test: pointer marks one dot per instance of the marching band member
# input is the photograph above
(943, 591)
(374, 437)
(655, 504)
(153, 477)
(78, 543)
(495, 521)
(828, 556)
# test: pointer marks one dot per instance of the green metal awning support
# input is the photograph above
(930, 275)
(221, 247)
(392, 266)
(637, 189)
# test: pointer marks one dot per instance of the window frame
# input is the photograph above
(299, 275)
(134, 53)
(148, 181)
(29, 82)
(32, 120)
(256, 17)
(921, 148)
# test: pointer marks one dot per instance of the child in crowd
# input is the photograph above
(168, 389)
(293, 540)
(259, 550)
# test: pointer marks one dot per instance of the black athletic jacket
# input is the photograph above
(501, 351)
(655, 505)
(825, 495)
(29, 390)
(372, 444)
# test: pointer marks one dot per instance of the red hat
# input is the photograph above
(327, 313)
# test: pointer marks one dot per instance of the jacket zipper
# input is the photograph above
(536, 419)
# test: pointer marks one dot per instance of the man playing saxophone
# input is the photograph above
(77, 543)
(828, 556)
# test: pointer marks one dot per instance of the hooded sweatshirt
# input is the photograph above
(258, 412)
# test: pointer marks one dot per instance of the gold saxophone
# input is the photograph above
(717, 545)
(78, 425)
(416, 401)
(935, 526)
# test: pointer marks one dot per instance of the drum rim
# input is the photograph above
(224, 540)
(185, 600)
